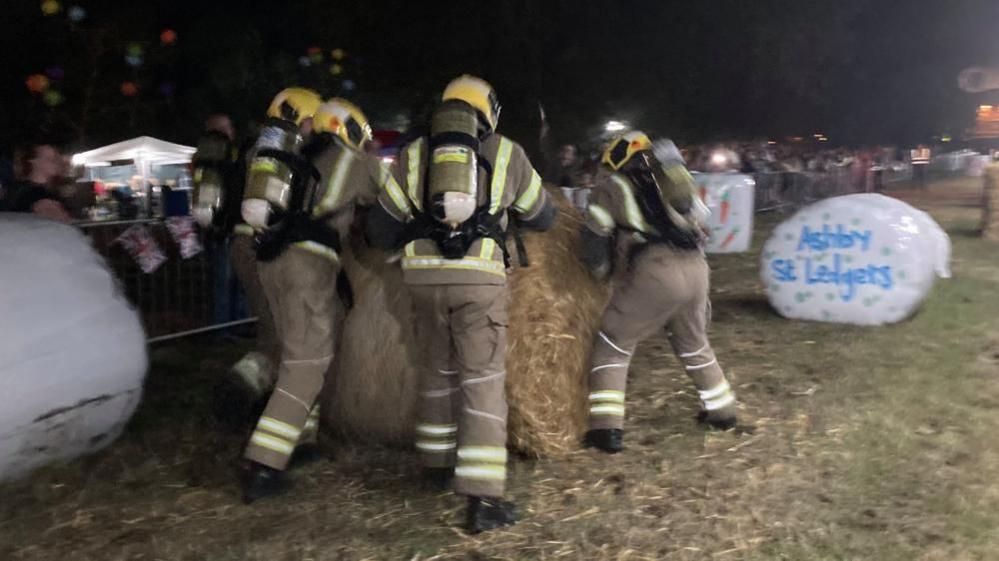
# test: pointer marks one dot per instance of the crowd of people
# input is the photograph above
(796, 157)
(865, 169)
(31, 182)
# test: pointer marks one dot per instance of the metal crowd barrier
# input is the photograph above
(783, 191)
(199, 294)
(182, 296)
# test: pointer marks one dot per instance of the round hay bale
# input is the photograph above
(555, 308)
(373, 383)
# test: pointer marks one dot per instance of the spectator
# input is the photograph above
(220, 122)
(43, 168)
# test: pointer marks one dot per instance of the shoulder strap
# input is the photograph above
(654, 211)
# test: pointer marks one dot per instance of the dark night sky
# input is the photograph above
(859, 71)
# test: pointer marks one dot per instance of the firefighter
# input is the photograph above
(454, 192)
(646, 218)
(301, 200)
(219, 180)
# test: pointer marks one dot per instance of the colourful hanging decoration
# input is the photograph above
(315, 54)
(55, 72)
(349, 85)
(304, 61)
(168, 37)
(337, 54)
(76, 14)
(133, 55)
(52, 98)
(37, 83)
(129, 89)
(336, 70)
(51, 7)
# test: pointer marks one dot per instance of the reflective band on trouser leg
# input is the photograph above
(310, 433)
(273, 441)
(437, 443)
(478, 323)
(485, 465)
(304, 308)
(437, 431)
(607, 403)
(608, 378)
(712, 387)
(284, 425)
(719, 397)
(688, 336)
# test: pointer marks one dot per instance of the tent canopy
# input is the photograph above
(142, 150)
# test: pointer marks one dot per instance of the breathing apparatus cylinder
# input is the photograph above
(271, 176)
(209, 177)
(675, 190)
(453, 172)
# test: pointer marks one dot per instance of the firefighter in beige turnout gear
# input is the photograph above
(454, 263)
(299, 240)
(646, 214)
(219, 179)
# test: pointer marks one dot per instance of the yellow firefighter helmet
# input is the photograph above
(344, 119)
(294, 105)
(477, 93)
(621, 149)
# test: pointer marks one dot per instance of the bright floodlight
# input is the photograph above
(614, 126)
(718, 158)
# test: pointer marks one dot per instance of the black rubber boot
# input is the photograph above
(260, 482)
(717, 422)
(234, 404)
(306, 454)
(488, 514)
(608, 440)
(437, 478)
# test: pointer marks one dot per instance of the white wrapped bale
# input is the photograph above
(72, 350)
(729, 196)
(862, 259)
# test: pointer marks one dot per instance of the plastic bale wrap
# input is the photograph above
(861, 259)
(554, 311)
(72, 350)
(729, 196)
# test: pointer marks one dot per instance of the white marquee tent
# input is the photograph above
(143, 152)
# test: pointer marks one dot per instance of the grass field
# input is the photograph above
(864, 443)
